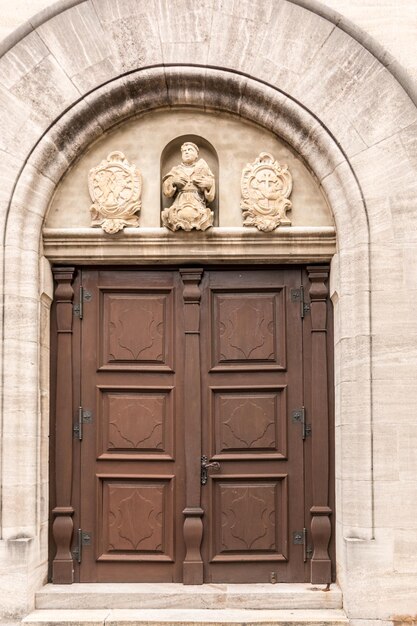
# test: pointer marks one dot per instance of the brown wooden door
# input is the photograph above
(252, 381)
(133, 487)
(132, 453)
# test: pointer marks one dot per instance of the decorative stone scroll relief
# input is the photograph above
(192, 185)
(115, 188)
(266, 187)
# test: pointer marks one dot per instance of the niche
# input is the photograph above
(171, 156)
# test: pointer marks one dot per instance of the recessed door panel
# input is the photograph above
(250, 422)
(136, 330)
(136, 422)
(137, 518)
(250, 518)
(248, 329)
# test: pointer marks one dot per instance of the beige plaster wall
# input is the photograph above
(143, 140)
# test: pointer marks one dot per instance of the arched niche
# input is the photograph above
(171, 156)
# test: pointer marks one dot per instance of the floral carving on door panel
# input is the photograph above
(136, 518)
(247, 422)
(136, 423)
(248, 518)
(136, 329)
(248, 330)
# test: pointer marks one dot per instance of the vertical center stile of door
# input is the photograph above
(193, 513)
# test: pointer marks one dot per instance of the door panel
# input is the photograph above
(137, 523)
(252, 380)
(249, 517)
(136, 330)
(248, 329)
(133, 479)
(248, 424)
(136, 422)
(132, 453)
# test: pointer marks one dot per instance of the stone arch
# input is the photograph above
(344, 149)
(35, 190)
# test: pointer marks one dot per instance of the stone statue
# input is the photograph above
(115, 188)
(192, 185)
(266, 187)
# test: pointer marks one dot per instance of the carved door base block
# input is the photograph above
(193, 573)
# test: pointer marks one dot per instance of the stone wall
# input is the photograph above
(391, 23)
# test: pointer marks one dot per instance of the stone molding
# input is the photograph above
(297, 244)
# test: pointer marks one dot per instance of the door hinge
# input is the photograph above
(297, 295)
(84, 296)
(84, 417)
(299, 417)
(299, 538)
(83, 539)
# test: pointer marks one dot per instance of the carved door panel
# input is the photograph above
(131, 454)
(252, 380)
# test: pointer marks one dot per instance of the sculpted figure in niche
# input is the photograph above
(266, 187)
(192, 185)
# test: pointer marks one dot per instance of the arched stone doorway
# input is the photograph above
(296, 392)
(347, 147)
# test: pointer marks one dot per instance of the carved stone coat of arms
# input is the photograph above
(115, 188)
(266, 187)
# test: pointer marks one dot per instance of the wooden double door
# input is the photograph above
(189, 459)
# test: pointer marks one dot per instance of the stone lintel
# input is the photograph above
(146, 245)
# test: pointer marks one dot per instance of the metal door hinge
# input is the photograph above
(299, 417)
(83, 539)
(84, 417)
(84, 296)
(297, 295)
(299, 538)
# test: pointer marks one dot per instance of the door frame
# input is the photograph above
(316, 308)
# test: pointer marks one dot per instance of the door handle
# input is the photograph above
(205, 464)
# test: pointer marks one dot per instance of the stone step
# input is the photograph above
(186, 617)
(172, 595)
